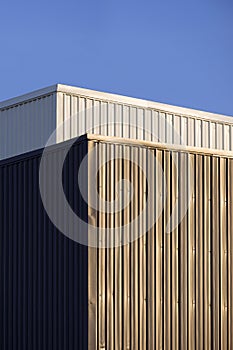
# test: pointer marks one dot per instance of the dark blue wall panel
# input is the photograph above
(43, 274)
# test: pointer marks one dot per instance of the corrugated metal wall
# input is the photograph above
(109, 118)
(43, 274)
(27, 125)
(165, 291)
(170, 291)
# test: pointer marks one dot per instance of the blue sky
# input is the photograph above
(175, 52)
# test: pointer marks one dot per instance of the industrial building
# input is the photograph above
(143, 260)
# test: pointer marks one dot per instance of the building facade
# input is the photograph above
(148, 265)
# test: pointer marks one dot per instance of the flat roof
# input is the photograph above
(108, 97)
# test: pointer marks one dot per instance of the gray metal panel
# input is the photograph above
(27, 126)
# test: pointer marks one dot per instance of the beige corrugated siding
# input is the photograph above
(164, 291)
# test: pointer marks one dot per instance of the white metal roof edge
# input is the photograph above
(29, 96)
(104, 96)
(189, 112)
